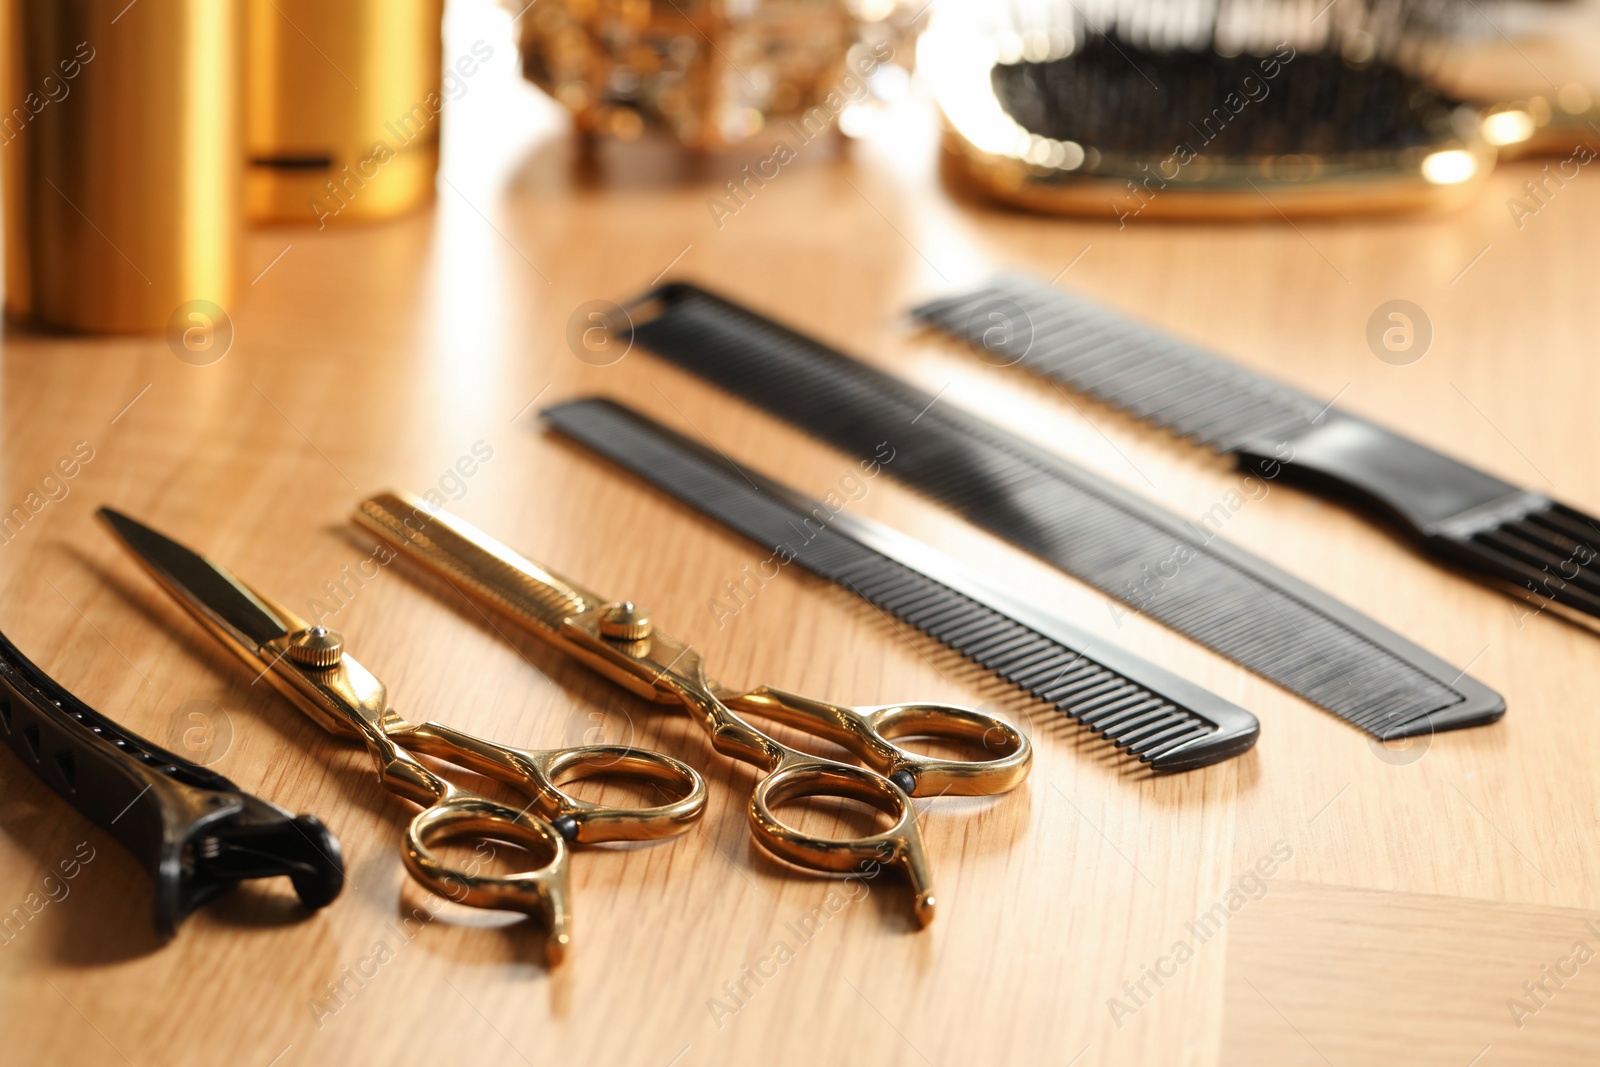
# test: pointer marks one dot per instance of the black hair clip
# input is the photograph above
(196, 832)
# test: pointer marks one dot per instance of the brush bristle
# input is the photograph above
(1183, 105)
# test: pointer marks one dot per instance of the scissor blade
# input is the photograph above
(208, 589)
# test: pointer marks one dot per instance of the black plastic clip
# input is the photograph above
(196, 832)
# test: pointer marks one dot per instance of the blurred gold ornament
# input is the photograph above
(712, 74)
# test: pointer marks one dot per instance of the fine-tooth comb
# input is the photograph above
(1155, 716)
(196, 832)
(1519, 540)
(1218, 594)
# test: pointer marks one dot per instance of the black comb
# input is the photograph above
(1519, 540)
(1216, 593)
(196, 832)
(1155, 716)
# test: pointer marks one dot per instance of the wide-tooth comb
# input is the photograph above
(1152, 715)
(1222, 596)
(1520, 540)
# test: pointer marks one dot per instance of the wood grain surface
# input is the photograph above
(1376, 906)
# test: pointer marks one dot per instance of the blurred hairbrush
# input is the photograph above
(1231, 108)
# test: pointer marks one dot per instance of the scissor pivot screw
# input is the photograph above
(317, 647)
(624, 622)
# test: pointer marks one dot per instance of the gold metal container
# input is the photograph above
(122, 148)
(343, 107)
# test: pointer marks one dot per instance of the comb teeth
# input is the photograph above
(1128, 715)
(1130, 366)
(1219, 595)
(1548, 554)
(1541, 549)
(1169, 730)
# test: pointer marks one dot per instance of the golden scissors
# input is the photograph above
(308, 665)
(619, 641)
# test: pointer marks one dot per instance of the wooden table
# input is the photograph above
(1382, 906)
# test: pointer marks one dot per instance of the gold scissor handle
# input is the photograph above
(896, 774)
(337, 691)
(541, 892)
(900, 845)
(618, 641)
(540, 773)
(870, 732)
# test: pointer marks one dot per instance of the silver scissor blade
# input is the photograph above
(208, 588)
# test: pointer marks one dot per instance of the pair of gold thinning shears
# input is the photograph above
(618, 640)
(308, 665)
